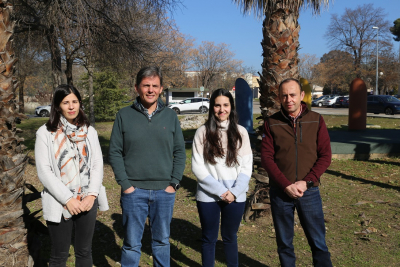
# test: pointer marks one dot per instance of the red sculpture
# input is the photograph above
(358, 105)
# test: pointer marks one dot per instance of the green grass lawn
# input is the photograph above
(358, 196)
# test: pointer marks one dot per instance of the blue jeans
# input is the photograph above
(231, 216)
(309, 209)
(158, 205)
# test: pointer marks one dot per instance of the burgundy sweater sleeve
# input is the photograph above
(324, 153)
(268, 160)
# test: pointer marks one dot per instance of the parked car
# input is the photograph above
(339, 102)
(330, 101)
(383, 104)
(318, 102)
(200, 104)
(43, 111)
(345, 102)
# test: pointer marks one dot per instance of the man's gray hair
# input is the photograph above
(148, 72)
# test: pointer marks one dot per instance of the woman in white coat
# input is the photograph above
(222, 161)
(69, 163)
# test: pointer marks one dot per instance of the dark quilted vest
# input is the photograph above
(295, 151)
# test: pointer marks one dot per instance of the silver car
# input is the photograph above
(330, 101)
(43, 111)
(318, 102)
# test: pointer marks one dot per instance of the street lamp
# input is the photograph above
(377, 37)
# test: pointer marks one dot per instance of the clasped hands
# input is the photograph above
(228, 197)
(296, 190)
(75, 206)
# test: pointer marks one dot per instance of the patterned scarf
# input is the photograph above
(72, 156)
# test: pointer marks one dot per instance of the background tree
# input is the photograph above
(335, 71)
(31, 67)
(395, 30)
(353, 32)
(97, 34)
(280, 44)
(13, 235)
(307, 63)
(175, 58)
(69, 26)
(389, 67)
(215, 62)
(109, 96)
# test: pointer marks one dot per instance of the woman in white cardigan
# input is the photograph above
(222, 161)
(69, 163)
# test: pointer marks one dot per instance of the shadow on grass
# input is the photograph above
(184, 234)
(190, 185)
(385, 162)
(104, 245)
(188, 134)
(365, 181)
(105, 145)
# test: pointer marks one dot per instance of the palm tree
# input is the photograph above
(280, 44)
(13, 235)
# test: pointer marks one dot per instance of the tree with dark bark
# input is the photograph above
(32, 58)
(215, 63)
(353, 32)
(395, 30)
(280, 44)
(70, 26)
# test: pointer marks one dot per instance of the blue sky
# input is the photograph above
(221, 21)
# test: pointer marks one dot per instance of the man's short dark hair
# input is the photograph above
(148, 72)
(289, 80)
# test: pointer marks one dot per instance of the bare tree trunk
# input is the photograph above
(68, 70)
(55, 57)
(13, 234)
(91, 97)
(21, 94)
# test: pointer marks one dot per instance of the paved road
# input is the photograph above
(330, 111)
(323, 111)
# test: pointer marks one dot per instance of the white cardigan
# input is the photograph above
(216, 179)
(55, 193)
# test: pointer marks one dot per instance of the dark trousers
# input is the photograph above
(311, 216)
(231, 216)
(61, 233)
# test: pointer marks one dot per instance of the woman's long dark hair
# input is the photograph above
(55, 112)
(212, 144)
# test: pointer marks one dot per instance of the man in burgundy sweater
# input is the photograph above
(295, 152)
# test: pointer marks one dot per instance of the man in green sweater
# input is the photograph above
(147, 154)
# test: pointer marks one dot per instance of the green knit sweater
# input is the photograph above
(147, 153)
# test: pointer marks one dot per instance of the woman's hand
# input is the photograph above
(74, 206)
(228, 197)
(87, 203)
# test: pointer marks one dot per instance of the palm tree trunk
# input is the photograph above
(280, 44)
(13, 234)
(91, 97)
